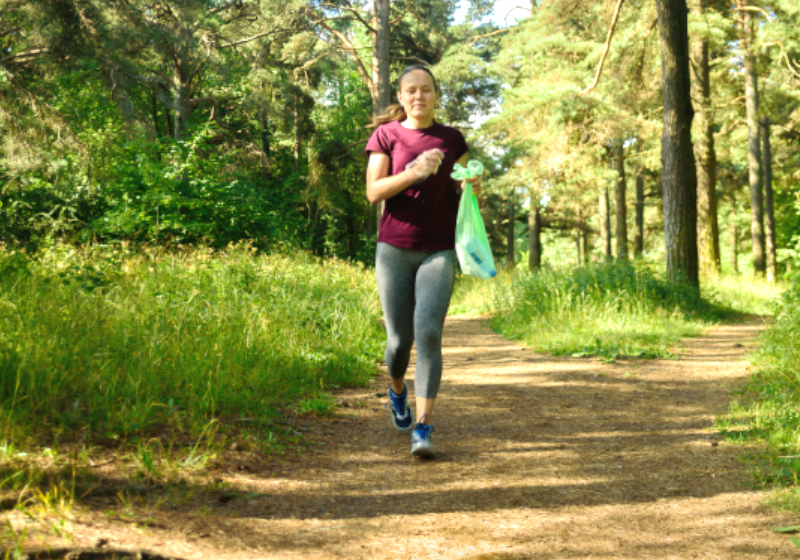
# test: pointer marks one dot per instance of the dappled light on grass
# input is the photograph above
(743, 294)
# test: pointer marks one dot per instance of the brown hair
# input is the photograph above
(395, 111)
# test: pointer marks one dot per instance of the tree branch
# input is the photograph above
(789, 62)
(230, 4)
(764, 12)
(485, 35)
(356, 12)
(605, 49)
(348, 46)
(27, 54)
(249, 39)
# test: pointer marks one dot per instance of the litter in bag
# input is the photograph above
(472, 245)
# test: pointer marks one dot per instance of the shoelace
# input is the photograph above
(397, 402)
(423, 427)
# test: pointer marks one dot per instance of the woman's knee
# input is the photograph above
(399, 345)
(429, 335)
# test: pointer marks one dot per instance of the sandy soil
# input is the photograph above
(539, 457)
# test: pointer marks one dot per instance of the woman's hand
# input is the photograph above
(475, 182)
(426, 164)
(381, 185)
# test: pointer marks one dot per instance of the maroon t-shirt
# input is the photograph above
(422, 217)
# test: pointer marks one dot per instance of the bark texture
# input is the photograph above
(704, 152)
(380, 57)
(605, 223)
(769, 210)
(679, 176)
(638, 247)
(184, 72)
(534, 239)
(734, 236)
(754, 146)
(510, 231)
(620, 202)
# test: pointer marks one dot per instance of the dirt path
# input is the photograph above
(540, 457)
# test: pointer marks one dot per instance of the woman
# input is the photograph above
(411, 157)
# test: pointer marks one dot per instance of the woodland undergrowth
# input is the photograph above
(767, 410)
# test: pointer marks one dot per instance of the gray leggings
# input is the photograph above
(415, 289)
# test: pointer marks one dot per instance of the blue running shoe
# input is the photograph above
(402, 417)
(421, 445)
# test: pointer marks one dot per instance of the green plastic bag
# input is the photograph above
(472, 245)
(473, 169)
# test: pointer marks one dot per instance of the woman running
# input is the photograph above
(410, 160)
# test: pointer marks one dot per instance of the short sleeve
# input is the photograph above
(461, 146)
(378, 142)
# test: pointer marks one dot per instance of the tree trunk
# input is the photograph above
(639, 235)
(580, 236)
(312, 232)
(705, 154)
(605, 223)
(298, 146)
(266, 145)
(620, 204)
(754, 151)
(734, 236)
(380, 91)
(769, 213)
(534, 239)
(585, 244)
(154, 113)
(182, 98)
(511, 220)
(679, 176)
(170, 124)
(380, 57)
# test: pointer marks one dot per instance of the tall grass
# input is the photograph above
(768, 410)
(609, 310)
(742, 294)
(114, 342)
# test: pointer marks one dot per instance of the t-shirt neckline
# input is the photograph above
(400, 124)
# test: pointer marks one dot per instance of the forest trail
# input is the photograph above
(539, 457)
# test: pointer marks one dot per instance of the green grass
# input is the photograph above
(742, 294)
(105, 343)
(159, 366)
(767, 411)
(611, 310)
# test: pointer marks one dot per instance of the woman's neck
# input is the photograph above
(416, 124)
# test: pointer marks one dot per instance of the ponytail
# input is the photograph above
(394, 112)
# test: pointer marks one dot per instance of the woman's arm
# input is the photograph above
(381, 185)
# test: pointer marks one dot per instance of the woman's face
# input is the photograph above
(417, 94)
